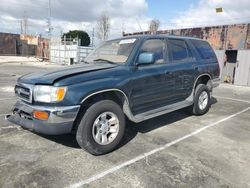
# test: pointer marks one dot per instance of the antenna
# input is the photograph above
(123, 28)
(93, 36)
(139, 25)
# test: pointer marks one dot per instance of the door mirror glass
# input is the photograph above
(145, 58)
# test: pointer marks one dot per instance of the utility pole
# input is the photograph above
(25, 23)
(49, 28)
(21, 25)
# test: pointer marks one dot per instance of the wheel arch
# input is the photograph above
(106, 91)
(204, 79)
(115, 95)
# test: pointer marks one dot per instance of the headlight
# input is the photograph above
(49, 93)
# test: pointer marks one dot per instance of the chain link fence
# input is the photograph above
(67, 51)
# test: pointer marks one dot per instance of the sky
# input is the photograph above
(125, 15)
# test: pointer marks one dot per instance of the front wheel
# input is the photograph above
(201, 100)
(101, 128)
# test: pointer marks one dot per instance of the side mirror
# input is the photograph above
(145, 58)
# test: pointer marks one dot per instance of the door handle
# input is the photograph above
(195, 67)
(169, 73)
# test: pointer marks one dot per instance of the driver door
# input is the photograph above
(152, 86)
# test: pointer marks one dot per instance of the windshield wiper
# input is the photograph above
(84, 62)
(110, 62)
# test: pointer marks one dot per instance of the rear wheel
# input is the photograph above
(201, 100)
(101, 128)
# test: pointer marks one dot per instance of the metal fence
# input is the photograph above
(239, 71)
(242, 72)
(221, 58)
(67, 51)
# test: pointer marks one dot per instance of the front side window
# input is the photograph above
(179, 50)
(156, 47)
(115, 51)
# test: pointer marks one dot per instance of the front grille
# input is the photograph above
(23, 92)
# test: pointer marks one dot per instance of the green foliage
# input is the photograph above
(85, 39)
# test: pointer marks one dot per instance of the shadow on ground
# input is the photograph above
(132, 129)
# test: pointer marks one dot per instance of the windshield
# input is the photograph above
(115, 51)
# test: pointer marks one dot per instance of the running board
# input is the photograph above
(156, 112)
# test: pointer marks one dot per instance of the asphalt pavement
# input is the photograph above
(173, 150)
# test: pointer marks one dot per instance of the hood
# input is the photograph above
(50, 77)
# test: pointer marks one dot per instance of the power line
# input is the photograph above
(23, 4)
(209, 21)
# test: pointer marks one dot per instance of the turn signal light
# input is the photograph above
(41, 115)
(60, 93)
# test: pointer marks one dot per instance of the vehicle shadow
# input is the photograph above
(68, 140)
(132, 129)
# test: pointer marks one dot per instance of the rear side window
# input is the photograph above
(179, 50)
(204, 49)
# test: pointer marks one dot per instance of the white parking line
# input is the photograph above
(10, 127)
(233, 99)
(145, 155)
(9, 98)
(8, 89)
(3, 115)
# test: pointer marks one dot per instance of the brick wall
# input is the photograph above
(8, 43)
(235, 36)
(14, 44)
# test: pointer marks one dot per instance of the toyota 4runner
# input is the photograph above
(138, 77)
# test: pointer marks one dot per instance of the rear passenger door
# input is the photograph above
(208, 61)
(183, 65)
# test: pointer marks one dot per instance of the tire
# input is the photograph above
(201, 92)
(93, 131)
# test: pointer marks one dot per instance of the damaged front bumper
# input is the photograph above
(60, 119)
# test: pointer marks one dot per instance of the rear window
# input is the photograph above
(204, 49)
(179, 50)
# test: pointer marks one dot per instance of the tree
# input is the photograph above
(103, 27)
(77, 34)
(154, 26)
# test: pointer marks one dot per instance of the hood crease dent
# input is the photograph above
(50, 77)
